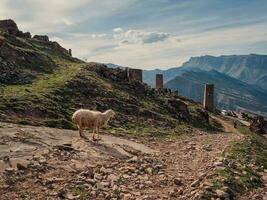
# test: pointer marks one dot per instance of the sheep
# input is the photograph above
(84, 118)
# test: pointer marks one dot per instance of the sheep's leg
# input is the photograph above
(82, 133)
(94, 133)
(98, 133)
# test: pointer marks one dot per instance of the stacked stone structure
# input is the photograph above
(159, 81)
(208, 103)
(43, 38)
(134, 74)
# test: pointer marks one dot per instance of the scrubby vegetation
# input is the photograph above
(242, 164)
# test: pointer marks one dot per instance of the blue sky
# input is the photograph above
(145, 33)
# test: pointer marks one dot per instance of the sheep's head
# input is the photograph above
(110, 113)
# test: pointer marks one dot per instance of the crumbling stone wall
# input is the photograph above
(102, 70)
(134, 74)
(159, 81)
(209, 97)
(44, 38)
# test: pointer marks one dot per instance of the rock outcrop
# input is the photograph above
(258, 125)
(8, 26)
(203, 114)
(44, 38)
(178, 105)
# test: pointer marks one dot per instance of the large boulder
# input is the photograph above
(178, 105)
(204, 115)
(8, 26)
(178, 108)
(258, 125)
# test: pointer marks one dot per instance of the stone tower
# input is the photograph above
(159, 81)
(209, 97)
(70, 52)
(135, 74)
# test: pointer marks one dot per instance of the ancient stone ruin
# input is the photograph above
(208, 103)
(159, 81)
(134, 74)
(70, 52)
(44, 38)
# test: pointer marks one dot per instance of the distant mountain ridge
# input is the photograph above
(230, 93)
(240, 76)
(251, 69)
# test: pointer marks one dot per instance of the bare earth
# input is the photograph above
(47, 163)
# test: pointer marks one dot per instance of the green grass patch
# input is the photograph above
(243, 161)
(47, 82)
(80, 192)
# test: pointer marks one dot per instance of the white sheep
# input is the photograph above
(91, 119)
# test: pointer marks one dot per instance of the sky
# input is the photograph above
(145, 34)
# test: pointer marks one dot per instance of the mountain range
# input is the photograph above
(240, 80)
(251, 68)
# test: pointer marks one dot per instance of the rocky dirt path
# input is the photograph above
(259, 193)
(46, 163)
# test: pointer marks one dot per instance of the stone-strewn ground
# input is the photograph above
(46, 163)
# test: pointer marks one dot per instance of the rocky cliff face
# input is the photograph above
(251, 69)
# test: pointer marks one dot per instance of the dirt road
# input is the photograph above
(46, 163)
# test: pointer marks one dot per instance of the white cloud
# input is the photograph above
(139, 36)
(57, 39)
(118, 30)
(53, 16)
(99, 35)
(40, 16)
(129, 49)
(126, 44)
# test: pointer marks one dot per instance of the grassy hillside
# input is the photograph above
(48, 93)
